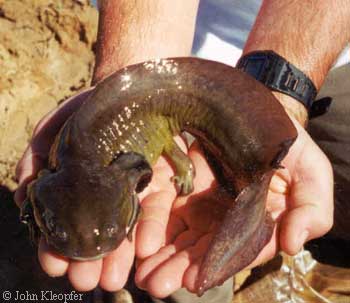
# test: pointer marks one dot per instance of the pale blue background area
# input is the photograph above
(230, 21)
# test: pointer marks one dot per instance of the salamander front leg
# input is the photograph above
(184, 169)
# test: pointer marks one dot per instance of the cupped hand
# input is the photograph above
(112, 271)
(300, 200)
(157, 199)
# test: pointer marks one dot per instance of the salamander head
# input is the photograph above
(85, 213)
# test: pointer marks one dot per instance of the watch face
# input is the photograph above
(255, 66)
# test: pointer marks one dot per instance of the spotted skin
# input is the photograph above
(85, 203)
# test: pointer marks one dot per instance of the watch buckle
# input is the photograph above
(320, 107)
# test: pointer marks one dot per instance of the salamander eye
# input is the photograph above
(49, 220)
(111, 230)
(60, 233)
(54, 229)
(138, 170)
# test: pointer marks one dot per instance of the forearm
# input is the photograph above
(310, 34)
(132, 31)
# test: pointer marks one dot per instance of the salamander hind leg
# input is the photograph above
(184, 169)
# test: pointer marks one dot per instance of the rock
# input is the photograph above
(46, 55)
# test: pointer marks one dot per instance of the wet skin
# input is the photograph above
(85, 202)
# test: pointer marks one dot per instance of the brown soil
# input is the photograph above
(45, 56)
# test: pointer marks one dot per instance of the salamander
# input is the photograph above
(85, 202)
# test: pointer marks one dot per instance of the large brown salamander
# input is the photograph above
(85, 203)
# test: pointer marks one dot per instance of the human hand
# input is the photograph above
(300, 200)
(83, 275)
(112, 271)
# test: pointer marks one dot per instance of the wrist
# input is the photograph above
(291, 86)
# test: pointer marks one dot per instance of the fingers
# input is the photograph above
(151, 229)
(302, 224)
(163, 273)
(176, 266)
(186, 239)
(176, 225)
(51, 263)
(156, 206)
(116, 267)
(83, 276)
(111, 272)
(190, 276)
(157, 203)
(310, 213)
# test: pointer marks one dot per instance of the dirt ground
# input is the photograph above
(46, 55)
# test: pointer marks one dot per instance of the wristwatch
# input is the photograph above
(280, 75)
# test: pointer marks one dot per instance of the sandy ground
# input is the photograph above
(46, 55)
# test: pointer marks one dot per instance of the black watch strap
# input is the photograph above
(280, 75)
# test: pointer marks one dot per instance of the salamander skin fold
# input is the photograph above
(85, 202)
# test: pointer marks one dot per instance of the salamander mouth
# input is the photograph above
(79, 256)
(97, 257)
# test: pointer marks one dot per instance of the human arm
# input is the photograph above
(309, 34)
(135, 31)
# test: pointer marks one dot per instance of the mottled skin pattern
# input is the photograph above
(85, 203)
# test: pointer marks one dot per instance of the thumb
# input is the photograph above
(310, 203)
